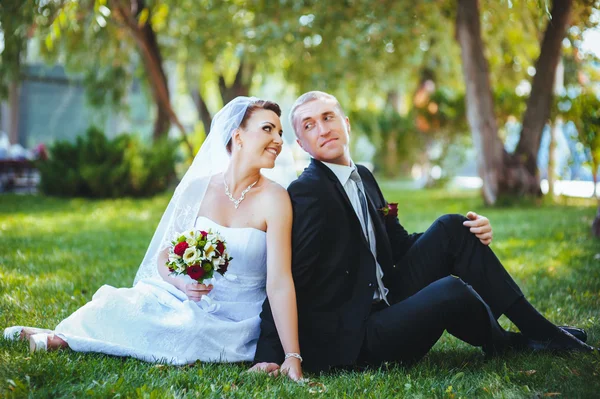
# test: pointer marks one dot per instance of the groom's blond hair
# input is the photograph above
(312, 96)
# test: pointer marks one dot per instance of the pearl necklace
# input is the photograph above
(237, 202)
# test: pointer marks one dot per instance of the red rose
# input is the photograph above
(223, 268)
(393, 209)
(220, 247)
(180, 248)
(196, 272)
(204, 234)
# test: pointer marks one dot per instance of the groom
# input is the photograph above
(368, 292)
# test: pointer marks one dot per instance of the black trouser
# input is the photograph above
(428, 300)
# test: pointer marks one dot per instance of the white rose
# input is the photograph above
(190, 255)
(174, 257)
(217, 263)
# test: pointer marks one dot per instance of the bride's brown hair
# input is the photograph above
(260, 104)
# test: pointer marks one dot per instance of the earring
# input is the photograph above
(239, 146)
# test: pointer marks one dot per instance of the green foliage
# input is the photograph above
(397, 142)
(16, 20)
(443, 112)
(584, 112)
(48, 269)
(83, 36)
(507, 103)
(372, 47)
(151, 167)
(436, 119)
(97, 167)
(104, 86)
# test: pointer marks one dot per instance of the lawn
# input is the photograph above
(55, 253)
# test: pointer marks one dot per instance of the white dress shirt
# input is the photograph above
(342, 172)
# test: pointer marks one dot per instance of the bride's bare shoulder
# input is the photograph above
(275, 198)
(270, 187)
(215, 180)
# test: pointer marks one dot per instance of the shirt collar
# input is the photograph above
(342, 172)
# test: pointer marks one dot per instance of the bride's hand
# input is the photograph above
(292, 368)
(194, 291)
(264, 367)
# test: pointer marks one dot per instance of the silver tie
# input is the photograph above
(363, 204)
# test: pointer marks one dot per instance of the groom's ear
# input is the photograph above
(300, 144)
(348, 124)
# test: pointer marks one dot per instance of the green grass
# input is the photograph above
(55, 253)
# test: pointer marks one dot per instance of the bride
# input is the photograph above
(174, 319)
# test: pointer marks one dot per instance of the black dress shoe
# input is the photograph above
(562, 342)
(514, 342)
(578, 333)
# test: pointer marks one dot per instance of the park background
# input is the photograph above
(461, 105)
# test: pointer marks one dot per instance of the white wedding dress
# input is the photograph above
(155, 322)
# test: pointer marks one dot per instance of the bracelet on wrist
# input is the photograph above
(292, 354)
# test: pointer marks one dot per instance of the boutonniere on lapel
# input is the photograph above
(390, 210)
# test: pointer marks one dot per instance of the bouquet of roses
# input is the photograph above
(198, 254)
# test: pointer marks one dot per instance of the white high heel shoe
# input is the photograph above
(13, 333)
(39, 342)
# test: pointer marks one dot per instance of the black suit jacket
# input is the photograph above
(333, 269)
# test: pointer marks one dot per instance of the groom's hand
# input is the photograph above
(480, 226)
(264, 367)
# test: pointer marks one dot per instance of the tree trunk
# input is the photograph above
(239, 87)
(479, 100)
(391, 155)
(552, 158)
(162, 123)
(393, 100)
(145, 37)
(559, 86)
(596, 223)
(241, 84)
(13, 109)
(538, 105)
(503, 174)
(203, 112)
(158, 80)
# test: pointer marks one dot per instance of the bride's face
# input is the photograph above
(260, 139)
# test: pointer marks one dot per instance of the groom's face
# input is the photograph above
(323, 131)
